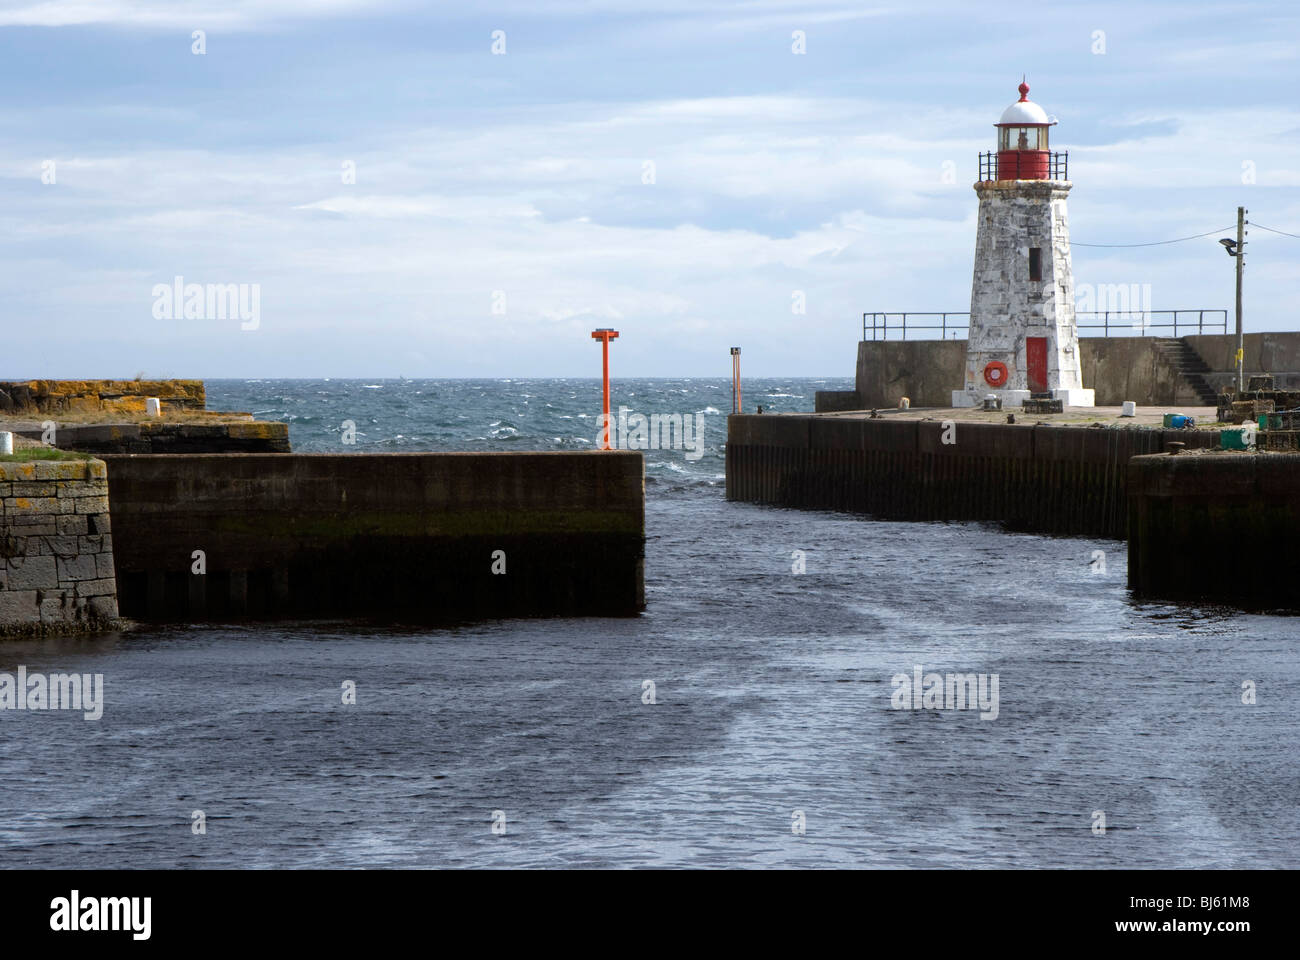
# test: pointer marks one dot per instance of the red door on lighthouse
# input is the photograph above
(1036, 364)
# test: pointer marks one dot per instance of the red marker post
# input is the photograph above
(604, 335)
(735, 381)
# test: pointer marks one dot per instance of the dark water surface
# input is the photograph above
(773, 695)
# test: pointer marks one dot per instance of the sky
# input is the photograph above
(468, 189)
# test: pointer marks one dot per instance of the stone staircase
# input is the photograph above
(1180, 355)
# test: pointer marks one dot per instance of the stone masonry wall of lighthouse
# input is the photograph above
(1007, 307)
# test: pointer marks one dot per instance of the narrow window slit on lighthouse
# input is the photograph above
(1035, 263)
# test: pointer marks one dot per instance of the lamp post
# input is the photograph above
(604, 335)
(1237, 249)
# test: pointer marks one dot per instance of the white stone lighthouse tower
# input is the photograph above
(1023, 340)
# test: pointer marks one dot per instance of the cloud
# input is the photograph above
(425, 206)
(847, 182)
(173, 14)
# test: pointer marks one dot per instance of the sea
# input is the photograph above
(784, 701)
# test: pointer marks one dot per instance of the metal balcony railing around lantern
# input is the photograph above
(1099, 323)
(1047, 165)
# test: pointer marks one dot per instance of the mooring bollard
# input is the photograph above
(904, 403)
(1130, 409)
(153, 406)
(6, 443)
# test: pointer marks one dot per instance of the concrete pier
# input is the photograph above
(1058, 478)
(1221, 527)
(400, 536)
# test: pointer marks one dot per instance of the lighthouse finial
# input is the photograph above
(1024, 88)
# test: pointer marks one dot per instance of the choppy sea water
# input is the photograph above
(772, 695)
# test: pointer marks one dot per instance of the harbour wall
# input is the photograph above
(418, 536)
(1273, 353)
(56, 548)
(924, 371)
(1042, 478)
(1117, 368)
(1219, 527)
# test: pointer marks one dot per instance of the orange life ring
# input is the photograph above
(995, 373)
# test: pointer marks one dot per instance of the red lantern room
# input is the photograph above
(1022, 142)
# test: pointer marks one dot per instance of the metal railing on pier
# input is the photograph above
(922, 325)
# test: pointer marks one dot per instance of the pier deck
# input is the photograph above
(1072, 416)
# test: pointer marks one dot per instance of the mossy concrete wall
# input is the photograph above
(1216, 528)
(390, 536)
(56, 548)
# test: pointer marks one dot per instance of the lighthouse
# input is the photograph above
(1023, 341)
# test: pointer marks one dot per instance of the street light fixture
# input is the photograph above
(1237, 250)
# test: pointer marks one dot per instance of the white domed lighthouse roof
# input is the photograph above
(1024, 112)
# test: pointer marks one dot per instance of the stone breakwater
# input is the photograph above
(112, 416)
(56, 548)
(168, 436)
(27, 397)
